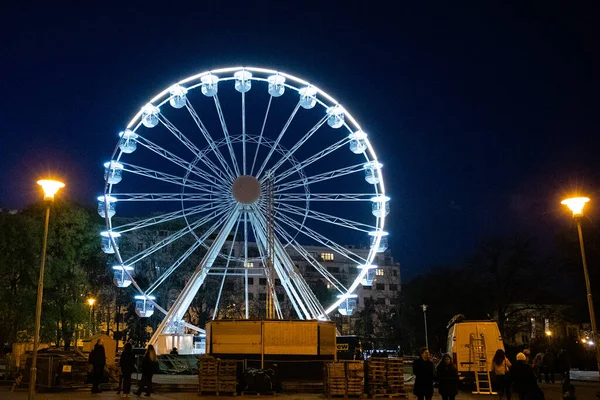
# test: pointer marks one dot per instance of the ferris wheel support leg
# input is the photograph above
(182, 303)
(290, 290)
(307, 300)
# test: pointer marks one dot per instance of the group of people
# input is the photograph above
(520, 378)
(426, 374)
(149, 365)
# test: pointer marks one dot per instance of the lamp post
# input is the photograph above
(91, 303)
(424, 307)
(50, 188)
(576, 205)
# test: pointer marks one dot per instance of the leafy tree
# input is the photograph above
(20, 245)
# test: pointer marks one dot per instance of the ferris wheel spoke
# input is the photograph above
(295, 197)
(319, 178)
(315, 157)
(244, 137)
(210, 141)
(314, 235)
(272, 150)
(167, 155)
(176, 180)
(261, 133)
(173, 267)
(160, 219)
(323, 217)
(176, 235)
(298, 144)
(216, 312)
(311, 260)
(178, 197)
(226, 134)
(190, 145)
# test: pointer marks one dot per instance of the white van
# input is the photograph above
(459, 344)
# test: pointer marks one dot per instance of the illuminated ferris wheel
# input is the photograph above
(254, 157)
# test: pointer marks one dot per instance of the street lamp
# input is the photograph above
(576, 205)
(91, 303)
(424, 307)
(50, 187)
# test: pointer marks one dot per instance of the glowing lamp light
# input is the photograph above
(548, 333)
(584, 340)
(50, 188)
(590, 343)
(91, 302)
(576, 205)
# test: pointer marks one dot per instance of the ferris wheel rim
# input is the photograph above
(161, 98)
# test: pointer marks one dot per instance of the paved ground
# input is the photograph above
(585, 391)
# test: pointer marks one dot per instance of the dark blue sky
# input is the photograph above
(485, 113)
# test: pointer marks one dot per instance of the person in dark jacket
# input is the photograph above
(127, 363)
(549, 365)
(424, 372)
(98, 360)
(524, 381)
(149, 365)
(563, 362)
(447, 377)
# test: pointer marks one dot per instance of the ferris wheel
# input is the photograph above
(246, 166)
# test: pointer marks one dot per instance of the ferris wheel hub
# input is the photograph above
(246, 189)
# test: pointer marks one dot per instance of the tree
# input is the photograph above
(74, 266)
(20, 247)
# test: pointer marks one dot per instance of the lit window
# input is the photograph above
(379, 272)
(249, 265)
(327, 256)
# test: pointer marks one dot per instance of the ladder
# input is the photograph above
(478, 358)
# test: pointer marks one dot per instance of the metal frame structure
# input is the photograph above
(230, 181)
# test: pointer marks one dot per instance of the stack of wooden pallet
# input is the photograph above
(376, 376)
(208, 375)
(217, 376)
(385, 377)
(227, 376)
(355, 378)
(395, 376)
(335, 379)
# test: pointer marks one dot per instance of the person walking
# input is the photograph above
(501, 368)
(149, 365)
(538, 369)
(524, 382)
(98, 360)
(549, 363)
(563, 362)
(127, 363)
(424, 372)
(447, 377)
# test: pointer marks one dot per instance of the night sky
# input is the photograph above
(484, 114)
